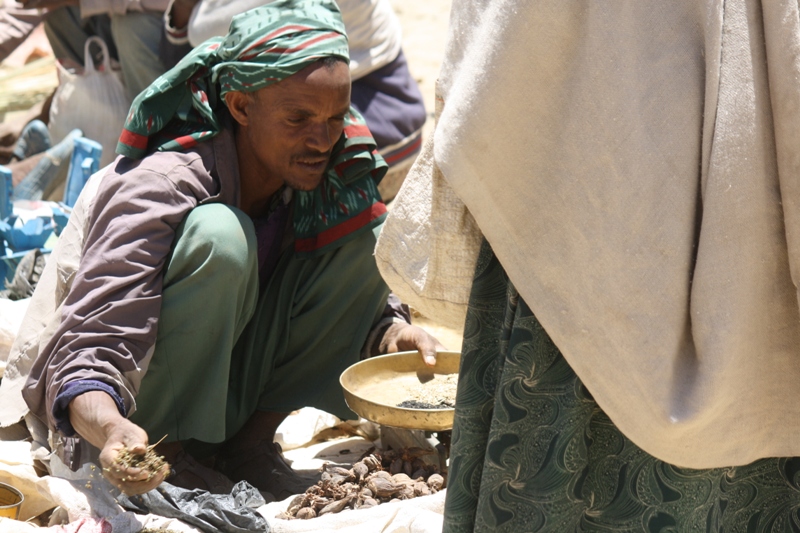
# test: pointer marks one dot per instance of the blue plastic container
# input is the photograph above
(85, 162)
(32, 234)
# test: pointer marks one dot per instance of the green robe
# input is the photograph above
(277, 347)
(533, 452)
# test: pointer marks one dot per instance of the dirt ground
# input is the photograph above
(424, 33)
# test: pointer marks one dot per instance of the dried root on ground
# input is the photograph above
(378, 478)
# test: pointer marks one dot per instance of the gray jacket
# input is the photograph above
(94, 314)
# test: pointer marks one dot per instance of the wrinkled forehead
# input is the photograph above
(323, 81)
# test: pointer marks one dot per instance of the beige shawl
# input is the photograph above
(635, 166)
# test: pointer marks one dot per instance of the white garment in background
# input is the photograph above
(11, 313)
(373, 29)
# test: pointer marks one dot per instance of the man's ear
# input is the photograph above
(239, 106)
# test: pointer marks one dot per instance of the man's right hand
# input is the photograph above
(95, 417)
(401, 337)
(131, 481)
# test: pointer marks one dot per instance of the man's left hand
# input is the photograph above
(400, 337)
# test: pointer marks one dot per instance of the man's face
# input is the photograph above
(296, 122)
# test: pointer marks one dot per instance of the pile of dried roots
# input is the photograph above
(378, 478)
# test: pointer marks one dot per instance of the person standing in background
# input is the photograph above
(131, 29)
(16, 23)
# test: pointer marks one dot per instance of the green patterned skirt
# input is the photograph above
(532, 451)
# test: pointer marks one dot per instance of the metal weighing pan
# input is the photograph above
(10, 501)
(374, 387)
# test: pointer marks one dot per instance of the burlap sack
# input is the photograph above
(429, 244)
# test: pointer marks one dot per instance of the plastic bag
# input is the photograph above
(212, 513)
(94, 102)
(26, 277)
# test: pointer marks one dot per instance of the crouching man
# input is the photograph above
(219, 274)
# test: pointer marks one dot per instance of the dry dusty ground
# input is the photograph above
(424, 33)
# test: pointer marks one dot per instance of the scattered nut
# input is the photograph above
(372, 462)
(368, 502)
(305, 513)
(382, 488)
(360, 470)
(436, 482)
(421, 489)
(335, 507)
(401, 478)
(396, 467)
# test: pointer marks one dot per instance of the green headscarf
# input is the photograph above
(264, 46)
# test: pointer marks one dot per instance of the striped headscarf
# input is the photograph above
(264, 46)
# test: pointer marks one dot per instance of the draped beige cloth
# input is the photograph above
(635, 166)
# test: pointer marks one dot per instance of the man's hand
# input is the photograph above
(131, 481)
(405, 337)
(95, 417)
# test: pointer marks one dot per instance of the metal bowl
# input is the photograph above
(373, 388)
(10, 501)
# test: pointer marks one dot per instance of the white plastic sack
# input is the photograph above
(424, 514)
(94, 102)
(11, 313)
(300, 428)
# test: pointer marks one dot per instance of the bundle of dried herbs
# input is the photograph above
(150, 462)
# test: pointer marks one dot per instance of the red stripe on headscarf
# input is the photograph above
(357, 130)
(331, 35)
(345, 228)
(341, 167)
(284, 29)
(186, 141)
(135, 140)
(353, 148)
